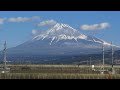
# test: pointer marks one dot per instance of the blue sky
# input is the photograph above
(16, 26)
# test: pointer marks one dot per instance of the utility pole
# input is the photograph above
(103, 56)
(90, 64)
(4, 55)
(112, 54)
(113, 72)
(90, 61)
(87, 62)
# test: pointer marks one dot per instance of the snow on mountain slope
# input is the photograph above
(65, 32)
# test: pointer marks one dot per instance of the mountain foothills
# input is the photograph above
(60, 42)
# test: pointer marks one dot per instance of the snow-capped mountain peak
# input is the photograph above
(59, 26)
(61, 31)
(65, 32)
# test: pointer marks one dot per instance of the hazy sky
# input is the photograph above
(17, 27)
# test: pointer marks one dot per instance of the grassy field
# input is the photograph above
(56, 76)
(58, 72)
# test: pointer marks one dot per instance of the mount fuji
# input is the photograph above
(61, 39)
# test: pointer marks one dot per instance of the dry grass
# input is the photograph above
(56, 72)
